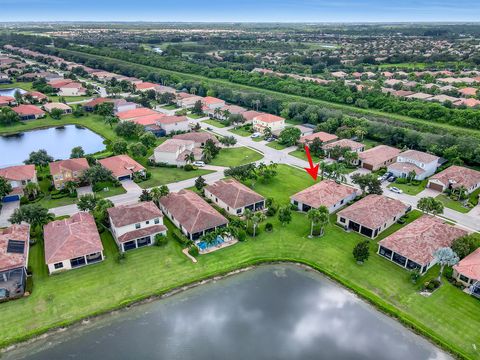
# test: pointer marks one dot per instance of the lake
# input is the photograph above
(272, 312)
(11, 92)
(58, 142)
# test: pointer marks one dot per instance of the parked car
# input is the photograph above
(255, 135)
(270, 139)
(396, 190)
(391, 179)
(198, 163)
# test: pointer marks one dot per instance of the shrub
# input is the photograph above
(193, 250)
(268, 227)
(241, 235)
(121, 257)
(458, 284)
(180, 238)
(271, 211)
(401, 181)
(293, 207)
(161, 240)
(448, 273)
(23, 200)
(361, 251)
(414, 276)
(188, 167)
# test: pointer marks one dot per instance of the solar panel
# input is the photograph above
(16, 246)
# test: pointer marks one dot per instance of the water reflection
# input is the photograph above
(275, 312)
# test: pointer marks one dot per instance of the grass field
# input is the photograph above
(195, 116)
(236, 156)
(300, 154)
(411, 189)
(214, 122)
(240, 131)
(452, 204)
(163, 175)
(448, 316)
(276, 145)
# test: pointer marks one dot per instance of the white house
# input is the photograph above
(422, 164)
(173, 123)
(174, 151)
(273, 122)
(135, 226)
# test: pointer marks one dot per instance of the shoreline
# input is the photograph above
(380, 306)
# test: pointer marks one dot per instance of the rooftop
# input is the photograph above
(57, 167)
(420, 156)
(18, 172)
(121, 165)
(234, 194)
(14, 258)
(378, 154)
(131, 214)
(135, 113)
(325, 193)
(458, 176)
(470, 265)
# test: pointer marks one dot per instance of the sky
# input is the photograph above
(241, 10)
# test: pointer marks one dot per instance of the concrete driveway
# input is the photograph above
(7, 211)
(131, 186)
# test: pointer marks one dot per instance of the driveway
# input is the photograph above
(131, 186)
(7, 210)
(84, 190)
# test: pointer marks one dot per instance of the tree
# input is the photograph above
(266, 172)
(466, 245)
(350, 157)
(148, 139)
(119, 147)
(100, 212)
(56, 113)
(197, 108)
(200, 183)
(189, 157)
(78, 111)
(289, 136)
(97, 173)
(267, 132)
(445, 257)
(285, 215)
(39, 158)
(248, 214)
(8, 116)
(34, 214)
(5, 187)
(145, 196)
(77, 152)
(361, 251)
(104, 109)
(242, 172)
(129, 130)
(368, 183)
(31, 190)
(257, 218)
(138, 149)
(228, 140)
(110, 120)
(158, 192)
(320, 217)
(316, 147)
(87, 202)
(430, 205)
(70, 186)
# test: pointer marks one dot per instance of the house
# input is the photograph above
(351, 145)
(160, 89)
(218, 112)
(135, 226)
(419, 96)
(272, 122)
(147, 121)
(467, 271)
(90, 105)
(250, 115)
(122, 105)
(174, 152)
(325, 193)
(414, 245)
(413, 161)
(468, 91)
(36, 96)
(135, 113)
(72, 243)
(234, 196)
(7, 100)
(145, 86)
(377, 157)
(68, 88)
(18, 176)
(187, 101)
(324, 138)
(48, 107)
(339, 74)
(173, 123)
(305, 130)
(28, 112)
(372, 215)
(200, 138)
(455, 177)
(470, 102)
(191, 214)
(123, 167)
(14, 248)
(63, 171)
(212, 103)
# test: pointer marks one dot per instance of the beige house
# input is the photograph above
(273, 122)
(63, 171)
(378, 157)
(175, 151)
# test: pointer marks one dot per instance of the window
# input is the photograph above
(342, 220)
(147, 222)
(15, 246)
(156, 221)
(239, 211)
(58, 265)
(137, 226)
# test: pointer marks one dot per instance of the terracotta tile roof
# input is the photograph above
(121, 165)
(165, 120)
(470, 266)
(458, 176)
(9, 260)
(148, 119)
(210, 100)
(322, 136)
(468, 91)
(234, 194)
(139, 233)
(6, 100)
(131, 214)
(191, 211)
(326, 193)
(56, 84)
(468, 102)
(145, 86)
(18, 173)
(345, 143)
(198, 137)
(419, 240)
(97, 101)
(250, 115)
(406, 167)
(73, 165)
(135, 113)
(234, 109)
(70, 238)
(268, 118)
(419, 156)
(28, 110)
(56, 105)
(379, 154)
(36, 94)
(374, 210)
(173, 145)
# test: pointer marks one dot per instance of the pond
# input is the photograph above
(58, 142)
(11, 92)
(272, 312)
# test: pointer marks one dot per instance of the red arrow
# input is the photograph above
(313, 170)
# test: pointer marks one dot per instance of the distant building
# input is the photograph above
(377, 157)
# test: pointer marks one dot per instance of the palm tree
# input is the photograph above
(226, 114)
(323, 219)
(248, 215)
(350, 157)
(158, 192)
(31, 190)
(257, 218)
(256, 103)
(207, 155)
(323, 169)
(313, 215)
(216, 112)
(189, 158)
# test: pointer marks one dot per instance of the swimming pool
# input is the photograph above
(203, 245)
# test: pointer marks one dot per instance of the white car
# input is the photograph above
(396, 190)
(255, 135)
(199, 164)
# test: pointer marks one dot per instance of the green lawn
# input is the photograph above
(240, 131)
(195, 116)
(27, 86)
(452, 204)
(411, 189)
(276, 145)
(236, 156)
(164, 175)
(112, 191)
(214, 122)
(448, 316)
(170, 107)
(301, 155)
(71, 98)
